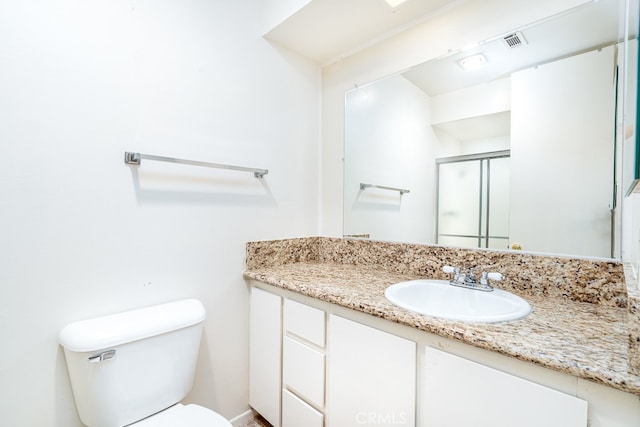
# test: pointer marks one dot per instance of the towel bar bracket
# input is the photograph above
(132, 158)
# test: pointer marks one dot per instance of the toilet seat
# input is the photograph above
(184, 416)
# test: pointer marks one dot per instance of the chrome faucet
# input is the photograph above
(470, 281)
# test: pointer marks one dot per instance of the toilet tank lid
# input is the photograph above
(108, 331)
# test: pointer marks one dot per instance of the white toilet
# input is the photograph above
(133, 368)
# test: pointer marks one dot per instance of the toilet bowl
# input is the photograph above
(133, 368)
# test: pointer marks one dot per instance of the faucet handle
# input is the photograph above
(494, 276)
(454, 270)
(484, 279)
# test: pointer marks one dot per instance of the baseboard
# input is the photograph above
(242, 419)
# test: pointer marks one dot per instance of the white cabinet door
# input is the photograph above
(265, 326)
(371, 376)
(459, 392)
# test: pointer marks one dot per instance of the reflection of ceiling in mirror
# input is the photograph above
(548, 40)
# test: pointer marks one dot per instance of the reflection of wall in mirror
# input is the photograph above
(394, 133)
(562, 128)
(389, 144)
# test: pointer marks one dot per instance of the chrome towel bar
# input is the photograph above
(364, 186)
(135, 158)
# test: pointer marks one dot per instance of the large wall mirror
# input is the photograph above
(518, 142)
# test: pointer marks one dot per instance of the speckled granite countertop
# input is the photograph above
(583, 339)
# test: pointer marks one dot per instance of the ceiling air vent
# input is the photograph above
(514, 40)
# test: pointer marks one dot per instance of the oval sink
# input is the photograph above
(440, 299)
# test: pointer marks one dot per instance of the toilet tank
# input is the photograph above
(127, 366)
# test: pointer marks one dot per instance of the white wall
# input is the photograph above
(392, 144)
(84, 235)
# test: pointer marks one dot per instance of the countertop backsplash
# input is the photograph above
(579, 279)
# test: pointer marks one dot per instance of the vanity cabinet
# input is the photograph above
(326, 367)
(459, 392)
(265, 355)
(298, 356)
(371, 376)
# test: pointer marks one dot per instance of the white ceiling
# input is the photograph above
(325, 30)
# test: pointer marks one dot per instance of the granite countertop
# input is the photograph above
(582, 339)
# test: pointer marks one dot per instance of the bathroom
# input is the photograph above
(85, 234)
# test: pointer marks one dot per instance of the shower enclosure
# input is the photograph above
(472, 200)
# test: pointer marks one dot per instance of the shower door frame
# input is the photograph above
(488, 156)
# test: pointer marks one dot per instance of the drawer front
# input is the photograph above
(305, 322)
(303, 371)
(296, 413)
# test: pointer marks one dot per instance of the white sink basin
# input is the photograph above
(440, 299)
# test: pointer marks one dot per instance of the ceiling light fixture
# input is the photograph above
(473, 62)
(395, 3)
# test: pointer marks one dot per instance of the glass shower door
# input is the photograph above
(459, 193)
(497, 210)
(473, 201)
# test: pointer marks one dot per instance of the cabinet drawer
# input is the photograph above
(296, 413)
(304, 321)
(303, 371)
